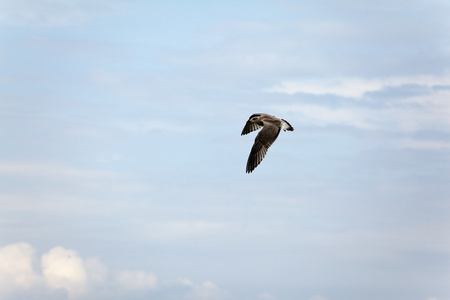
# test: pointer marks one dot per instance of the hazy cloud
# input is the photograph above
(267, 296)
(147, 126)
(120, 125)
(51, 12)
(319, 115)
(52, 170)
(355, 87)
(408, 143)
(405, 114)
(205, 291)
(137, 280)
(178, 230)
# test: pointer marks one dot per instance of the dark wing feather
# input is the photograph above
(249, 127)
(263, 141)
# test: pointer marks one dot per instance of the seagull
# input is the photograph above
(271, 129)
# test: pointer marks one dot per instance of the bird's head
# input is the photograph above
(255, 118)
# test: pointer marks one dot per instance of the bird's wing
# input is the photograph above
(249, 127)
(263, 141)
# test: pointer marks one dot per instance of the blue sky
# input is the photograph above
(123, 170)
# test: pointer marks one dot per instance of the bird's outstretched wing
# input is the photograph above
(249, 127)
(263, 141)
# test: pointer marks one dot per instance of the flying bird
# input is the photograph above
(271, 127)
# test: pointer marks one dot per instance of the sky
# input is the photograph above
(122, 167)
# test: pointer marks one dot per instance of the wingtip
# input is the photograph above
(249, 169)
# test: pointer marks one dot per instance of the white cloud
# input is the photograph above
(16, 268)
(137, 280)
(63, 268)
(353, 87)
